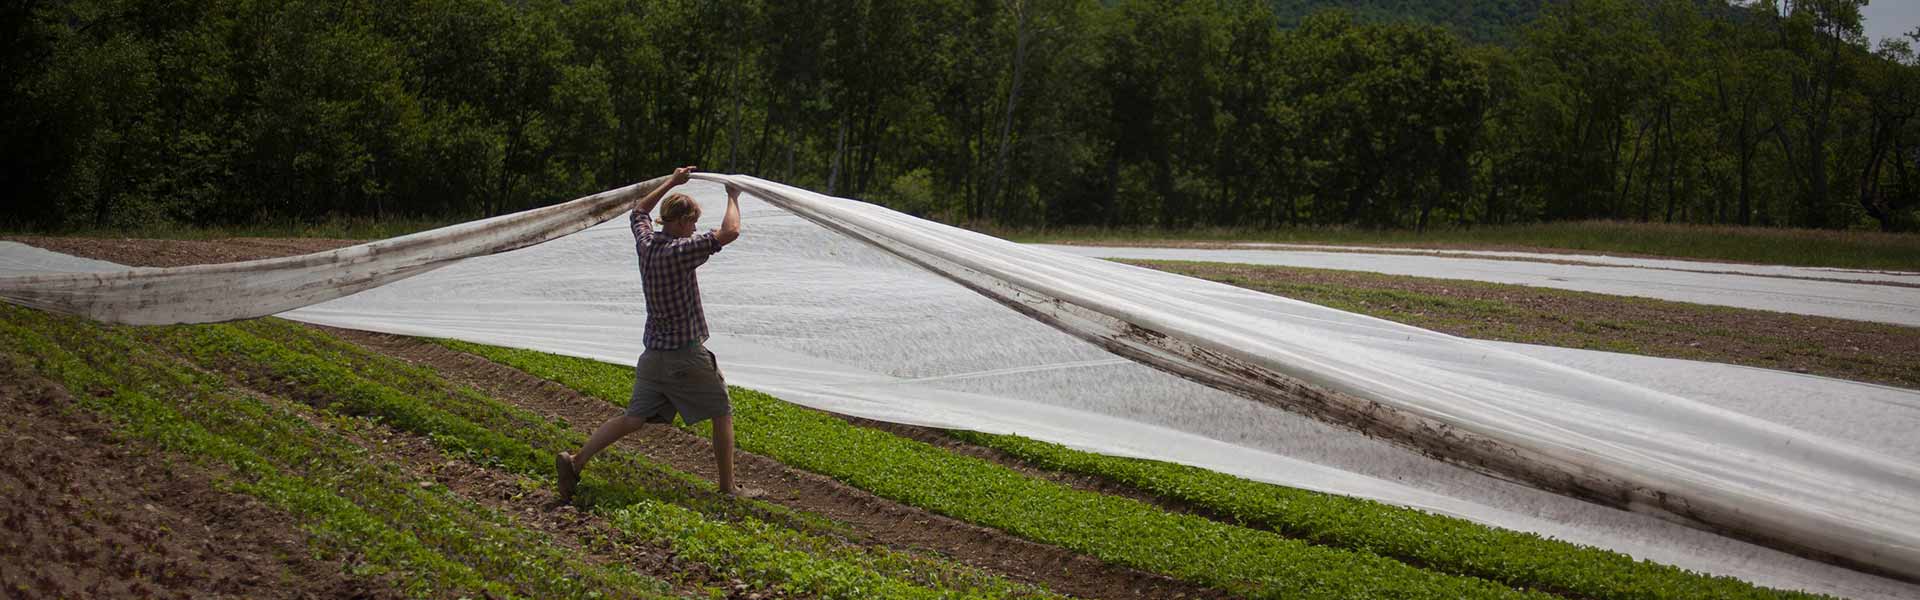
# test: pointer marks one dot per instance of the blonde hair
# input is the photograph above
(677, 207)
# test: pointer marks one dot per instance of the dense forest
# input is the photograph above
(1478, 20)
(1022, 113)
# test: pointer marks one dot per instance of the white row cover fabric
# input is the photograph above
(1781, 289)
(244, 290)
(1556, 428)
(823, 320)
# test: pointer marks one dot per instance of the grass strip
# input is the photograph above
(431, 541)
(1441, 543)
(1244, 561)
(505, 438)
(760, 550)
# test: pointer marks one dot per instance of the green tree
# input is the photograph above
(1891, 107)
(1823, 36)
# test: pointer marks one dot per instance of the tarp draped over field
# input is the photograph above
(244, 290)
(821, 319)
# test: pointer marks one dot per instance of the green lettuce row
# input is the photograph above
(1440, 543)
(762, 550)
(507, 441)
(1244, 561)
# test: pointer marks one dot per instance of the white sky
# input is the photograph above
(1890, 18)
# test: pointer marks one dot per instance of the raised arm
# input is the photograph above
(644, 205)
(729, 225)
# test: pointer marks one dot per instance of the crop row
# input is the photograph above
(1245, 561)
(1440, 543)
(764, 543)
(428, 541)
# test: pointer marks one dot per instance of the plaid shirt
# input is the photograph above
(674, 315)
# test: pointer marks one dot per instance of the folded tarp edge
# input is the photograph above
(257, 288)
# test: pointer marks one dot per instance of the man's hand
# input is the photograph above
(644, 204)
(730, 224)
(680, 175)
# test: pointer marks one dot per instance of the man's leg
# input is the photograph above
(608, 433)
(723, 451)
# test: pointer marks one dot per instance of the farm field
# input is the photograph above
(1131, 299)
(380, 423)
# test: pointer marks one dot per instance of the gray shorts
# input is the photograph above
(685, 381)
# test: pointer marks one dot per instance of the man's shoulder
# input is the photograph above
(696, 242)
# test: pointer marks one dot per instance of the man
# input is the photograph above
(676, 373)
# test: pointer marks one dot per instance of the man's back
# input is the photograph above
(675, 316)
(676, 375)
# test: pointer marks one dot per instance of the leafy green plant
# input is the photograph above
(310, 364)
(1439, 543)
(1245, 561)
(792, 560)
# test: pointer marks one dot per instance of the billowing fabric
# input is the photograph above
(244, 290)
(674, 314)
(1559, 429)
(1631, 440)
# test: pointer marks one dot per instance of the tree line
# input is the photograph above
(1018, 112)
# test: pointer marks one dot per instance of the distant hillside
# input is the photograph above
(1497, 21)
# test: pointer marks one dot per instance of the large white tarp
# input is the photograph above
(816, 317)
(230, 291)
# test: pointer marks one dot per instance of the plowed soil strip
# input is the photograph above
(880, 520)
(86, 514)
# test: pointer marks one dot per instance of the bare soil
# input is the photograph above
(85, 514)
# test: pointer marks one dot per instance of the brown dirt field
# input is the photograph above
(85, 514)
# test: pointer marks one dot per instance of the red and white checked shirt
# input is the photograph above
(674, 315)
